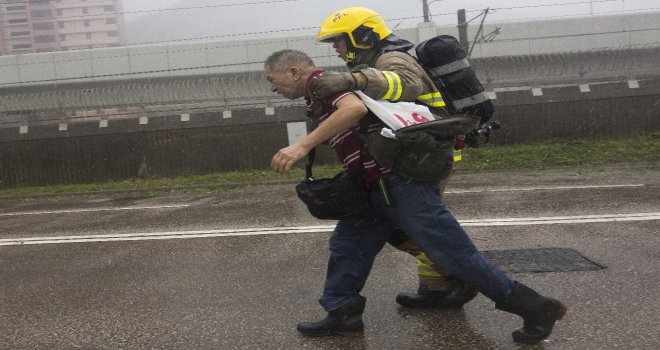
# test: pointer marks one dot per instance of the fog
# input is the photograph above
(165, 20)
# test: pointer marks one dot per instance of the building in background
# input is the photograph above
(32, 26)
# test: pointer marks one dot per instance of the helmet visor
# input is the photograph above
(330, 38)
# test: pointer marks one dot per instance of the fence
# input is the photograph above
(207, 142)
(26, 106)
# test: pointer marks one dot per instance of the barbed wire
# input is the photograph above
(237, 90)
(251, 90)
(203, 7)
(106, 14)
(545, 17)
(248, 63)
(299, 29)
(511, 8)
(219, 45)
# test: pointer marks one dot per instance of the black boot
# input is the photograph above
(429, 299)
(539, 313)
(345, 320)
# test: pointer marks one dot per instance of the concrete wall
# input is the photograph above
(540, 95)
(241, 90)
(125, 149)
(167, 146)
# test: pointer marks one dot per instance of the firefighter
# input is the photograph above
(382, 69)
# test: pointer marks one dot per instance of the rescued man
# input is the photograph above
(414, 206)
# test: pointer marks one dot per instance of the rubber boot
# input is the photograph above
(455, 298)
(539, 313)
(345, 320)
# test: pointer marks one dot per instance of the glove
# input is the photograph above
(332, 83)
(481, 134)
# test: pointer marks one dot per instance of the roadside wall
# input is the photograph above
(207, 143)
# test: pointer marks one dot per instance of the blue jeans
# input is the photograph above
(416, 208)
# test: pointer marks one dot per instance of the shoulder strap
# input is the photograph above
(311, 156)
(364, 127)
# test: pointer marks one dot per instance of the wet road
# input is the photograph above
(237, 268)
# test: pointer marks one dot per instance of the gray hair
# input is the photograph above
(282, 60)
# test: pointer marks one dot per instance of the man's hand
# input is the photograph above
(285, 158)
(350, 109)
(332, 83)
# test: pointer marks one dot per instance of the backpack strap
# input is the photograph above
(449, 68)
(471, 101)
(364, 127)
(311, 156)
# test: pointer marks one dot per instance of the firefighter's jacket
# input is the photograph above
(396, 76)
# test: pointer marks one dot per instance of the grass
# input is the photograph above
(564, 153)
(642, 149)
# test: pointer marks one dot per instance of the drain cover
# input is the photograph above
(541, 260)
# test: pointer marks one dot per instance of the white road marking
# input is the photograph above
(546, 220)
(316, 229)
(165, 235)
(69, 211)
(544, 188)
(91, 210)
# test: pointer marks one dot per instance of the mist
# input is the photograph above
(168, 20)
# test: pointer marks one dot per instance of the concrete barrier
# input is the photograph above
(207, 142)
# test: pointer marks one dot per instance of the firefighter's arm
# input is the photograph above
(350, 110)
(397, 83)
(332, 83)
(396, 79)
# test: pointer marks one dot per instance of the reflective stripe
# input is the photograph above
(433, 99)
(471, 101)
(425, 266)
(394, 83)
(449, 68)
(458, 155)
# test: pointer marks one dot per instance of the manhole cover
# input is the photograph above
(541, 260)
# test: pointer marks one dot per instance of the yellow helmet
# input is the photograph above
(363, 27)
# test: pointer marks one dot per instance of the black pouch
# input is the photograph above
(341, 197)
(422, 152)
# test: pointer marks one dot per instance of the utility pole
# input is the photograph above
(425, 8)
(462, 30)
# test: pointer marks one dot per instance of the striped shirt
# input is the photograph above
(346, 144)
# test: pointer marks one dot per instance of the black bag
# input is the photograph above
(423, 151)
(341, 197)
(446, 63)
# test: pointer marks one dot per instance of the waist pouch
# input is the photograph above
(423, 151)
(341, 197)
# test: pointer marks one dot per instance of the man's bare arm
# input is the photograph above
(350, 110)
